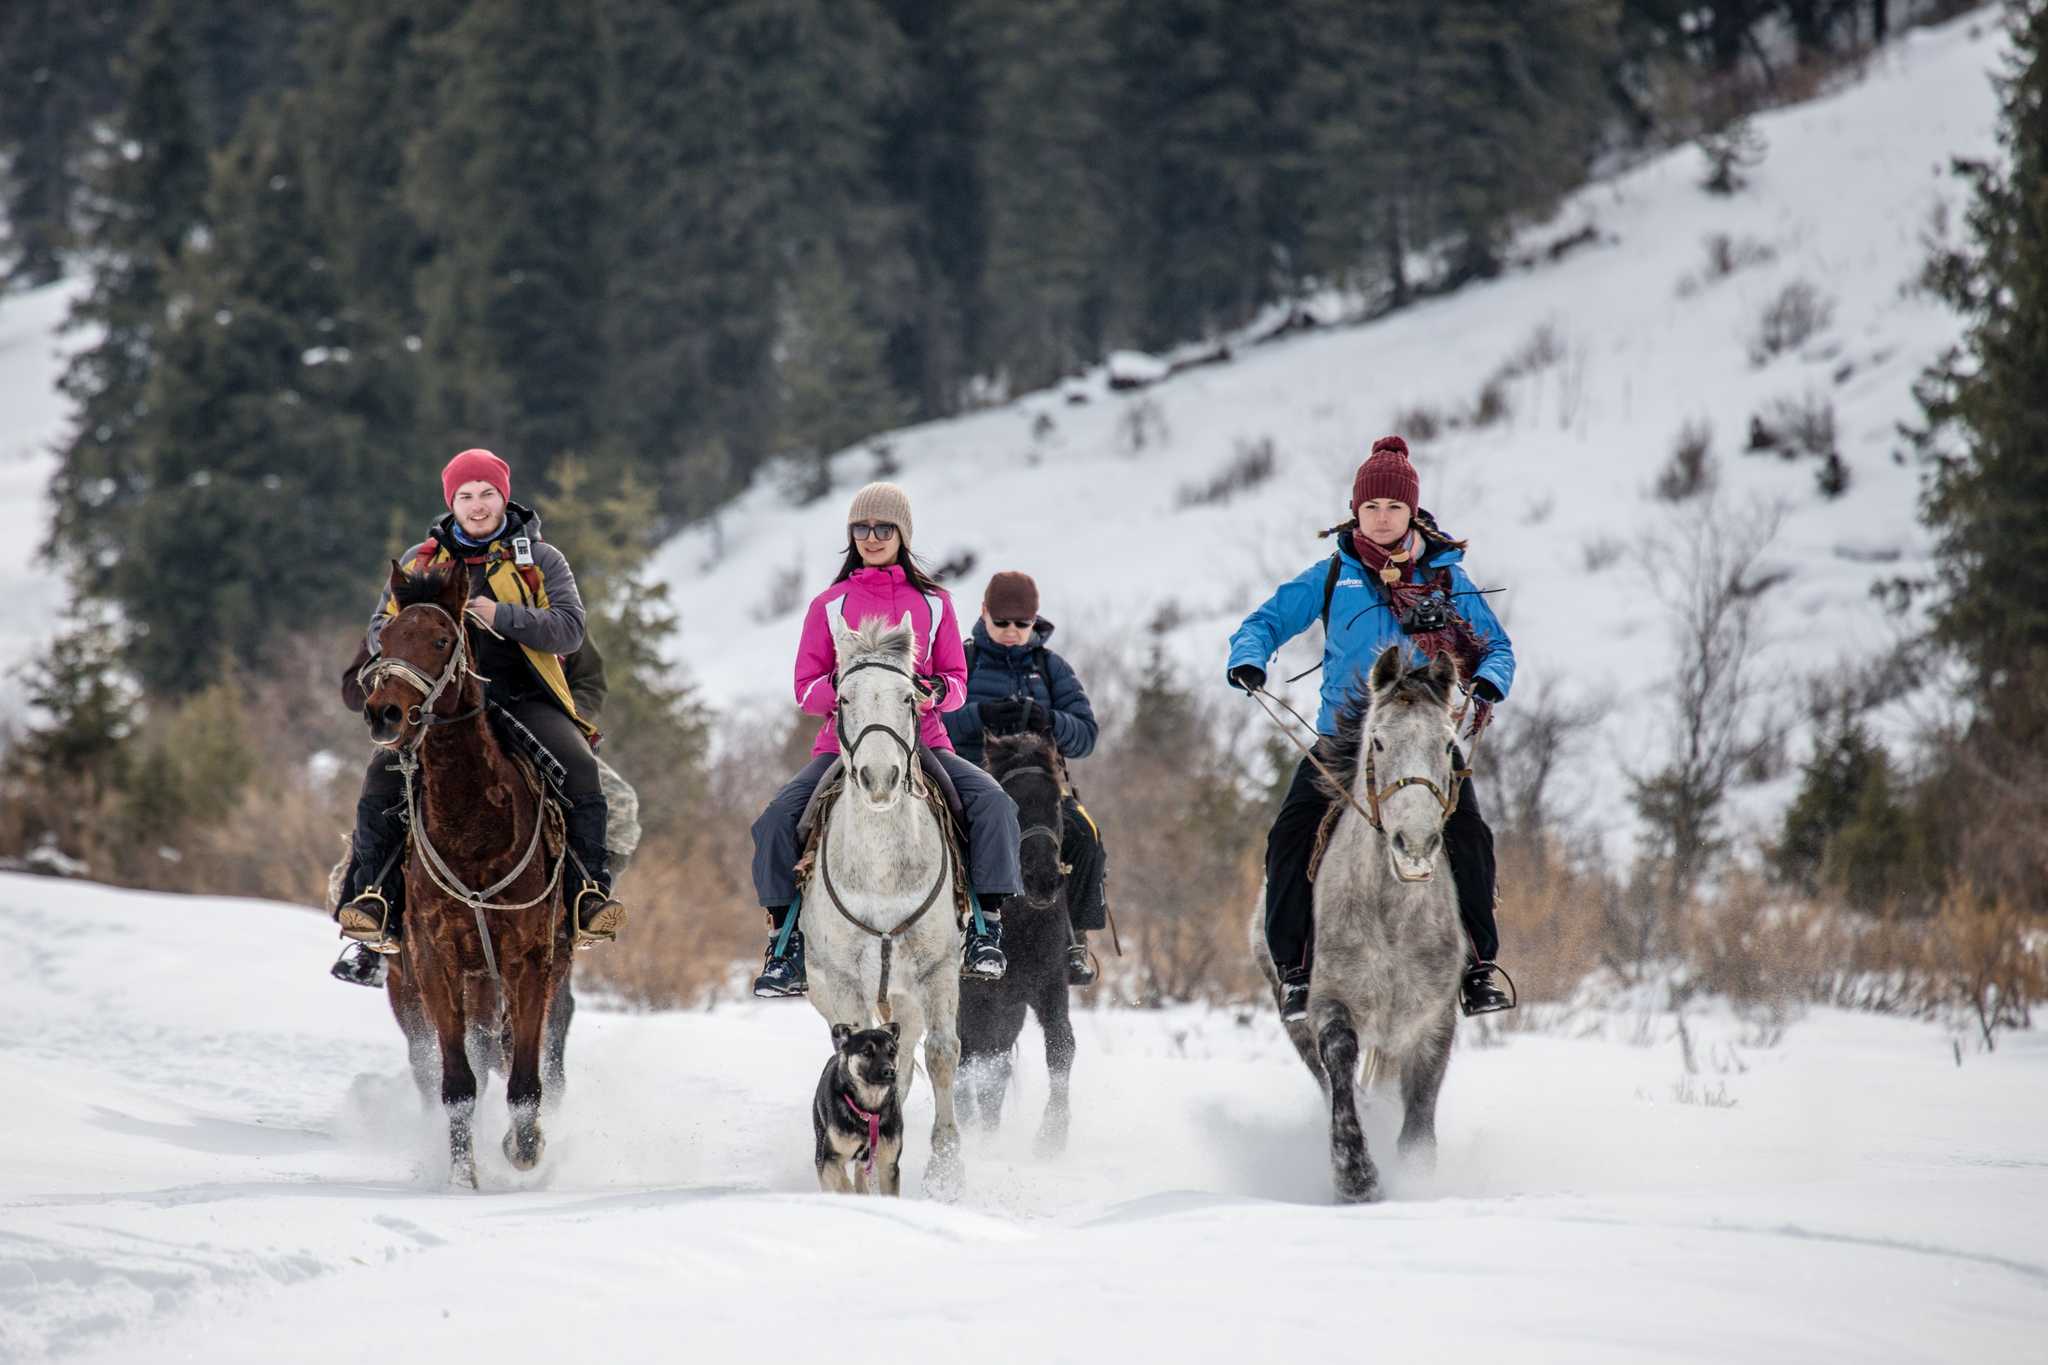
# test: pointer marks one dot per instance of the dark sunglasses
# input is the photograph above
(1000, 624)
(872, 530)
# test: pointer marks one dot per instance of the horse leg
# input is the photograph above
(1358, 1182)
(526, 1001)
(441, 992)
(1058, 1026)
(942, 1059)
(1422, 1076)
(554, 1075)
(422, 1048)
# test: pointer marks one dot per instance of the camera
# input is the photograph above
(1431, 613)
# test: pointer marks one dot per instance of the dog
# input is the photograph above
(856, 1116)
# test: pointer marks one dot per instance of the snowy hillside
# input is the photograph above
(1556, 499)
(214, 1153)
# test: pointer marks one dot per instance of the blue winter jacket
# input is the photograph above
(997, 671)
(1362, 625)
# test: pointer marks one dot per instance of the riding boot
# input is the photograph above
(596, 917)
(1080, 962)
(1479, 994)
(359, 966)
(982, 959)
(782, 969)
(1294, 995)
(373, 899)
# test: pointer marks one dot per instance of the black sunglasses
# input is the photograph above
(872, 530)
(1000, 624)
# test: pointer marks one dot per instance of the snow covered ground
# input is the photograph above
(211, 1152)
(1557, 499)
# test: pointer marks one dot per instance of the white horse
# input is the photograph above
(1389, 947)
(881, 936)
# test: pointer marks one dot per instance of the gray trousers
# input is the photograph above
(992, 834)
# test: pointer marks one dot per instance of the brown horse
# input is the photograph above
(486, 949)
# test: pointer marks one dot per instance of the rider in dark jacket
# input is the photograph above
(1015, 683)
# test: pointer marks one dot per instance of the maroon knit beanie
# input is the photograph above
(1386, 473)
(1011, 596)
(472, 465)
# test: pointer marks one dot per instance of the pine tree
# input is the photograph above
(1986, 431)
(147, 205)
(275, 418)
(57, 60)
(1050, 194)
(504, 182)
(83, 708)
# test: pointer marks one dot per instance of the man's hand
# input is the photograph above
(1250, 677)
(485, 609)
(1037, 719)
(1003, 717)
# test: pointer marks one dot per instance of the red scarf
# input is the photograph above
(1407, 585)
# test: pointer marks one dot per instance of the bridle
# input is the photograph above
(422, 714)
(1375, 794)
(848, 747)
(1047, 832)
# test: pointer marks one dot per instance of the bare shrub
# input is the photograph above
(1755, 946)
(1601, 553)
(1550, 921)
(1491, 405)
(1802, 426)
(1690, 471)
(1798, 313)
(1726, 254)
(1730, 147)
(1421, 422)
(1832, 476)
(786, 592)
(1140, 425)
(1251, 465)
(1541, 349)
(1987, 962)
(1526, 750)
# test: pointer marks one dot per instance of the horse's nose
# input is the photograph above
(877, 781)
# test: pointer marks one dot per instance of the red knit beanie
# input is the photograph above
(1386, 473)
(472, 465)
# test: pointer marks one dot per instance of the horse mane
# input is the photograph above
(424, 585)
(1354, 719)
(1016, 750)
(877, 636)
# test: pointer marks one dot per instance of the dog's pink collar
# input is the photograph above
(874, 1129)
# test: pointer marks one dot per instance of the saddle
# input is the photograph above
(932, 784)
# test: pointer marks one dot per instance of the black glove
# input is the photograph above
(1037, 719)
(1486, 691)
(1250, 677)
(1004, 717)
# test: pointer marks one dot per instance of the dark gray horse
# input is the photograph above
(1035, 938)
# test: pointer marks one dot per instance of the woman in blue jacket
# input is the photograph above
(1395, 579)
(1014, 683)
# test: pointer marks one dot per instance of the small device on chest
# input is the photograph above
(522, 550)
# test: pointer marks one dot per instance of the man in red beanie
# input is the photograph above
(525, 614)
(1394, 580)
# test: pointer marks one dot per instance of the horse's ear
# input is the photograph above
(455, 591)
(397, 578)
(1443, 674)
(1386, 670)
(840, 1033)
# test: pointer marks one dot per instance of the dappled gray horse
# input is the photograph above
(1388, 944)
(878, 914)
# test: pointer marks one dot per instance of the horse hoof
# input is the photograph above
(944, 1177)
(524, 1156)
(1051, 1142)
(463, 1175)
(1359, 1189)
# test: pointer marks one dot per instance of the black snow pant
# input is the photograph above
(1290, 896)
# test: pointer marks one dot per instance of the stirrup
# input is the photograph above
(1501, 1000)
(363, 926)
(605, 920)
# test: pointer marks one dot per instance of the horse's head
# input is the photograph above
(1028, 767)
(1406, 755)
(422, 656)
(877, 716)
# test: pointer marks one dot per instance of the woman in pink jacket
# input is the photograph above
(881, 578)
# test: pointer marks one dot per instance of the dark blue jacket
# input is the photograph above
(997, 671)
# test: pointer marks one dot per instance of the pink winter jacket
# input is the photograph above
(885, 593)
